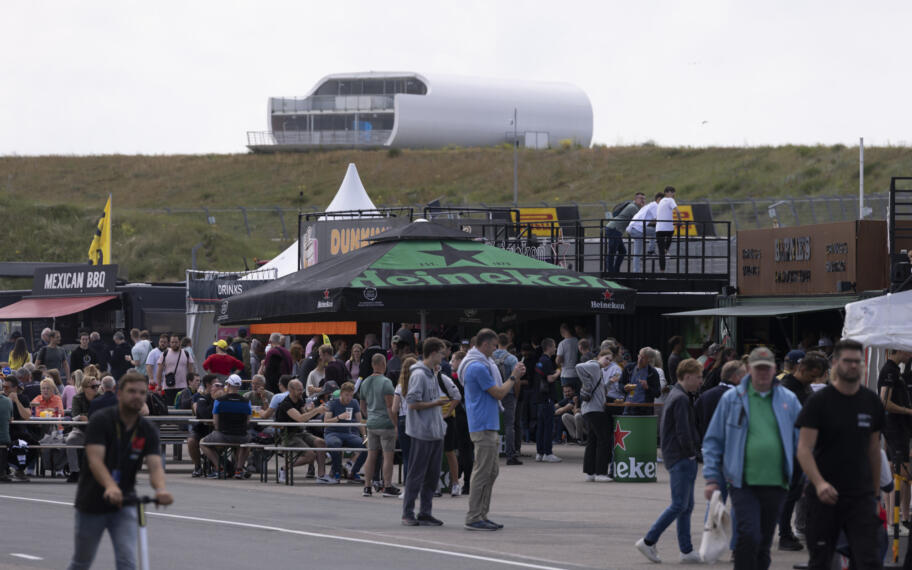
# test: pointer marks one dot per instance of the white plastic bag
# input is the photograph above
(716, 530)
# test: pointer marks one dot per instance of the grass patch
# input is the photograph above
(49, 203)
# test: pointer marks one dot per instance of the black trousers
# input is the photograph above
(756, 509)
(856, 516)
(796, 488)
(664, 241)
(598, 446)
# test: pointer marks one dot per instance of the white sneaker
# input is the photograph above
(281, 474)
(603, 479)
(551, 458)
(590, 478)
(692, 557)
(456, 490)
(538, 457)
(649, 552)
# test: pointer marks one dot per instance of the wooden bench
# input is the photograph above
(291, 455)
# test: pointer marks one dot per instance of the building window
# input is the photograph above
(331, 87)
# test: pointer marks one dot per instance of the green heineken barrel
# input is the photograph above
(635, 449)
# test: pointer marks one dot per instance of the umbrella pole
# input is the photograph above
(423, 315)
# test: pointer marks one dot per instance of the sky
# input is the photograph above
(172, 77)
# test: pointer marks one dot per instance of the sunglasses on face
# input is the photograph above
(93, 386)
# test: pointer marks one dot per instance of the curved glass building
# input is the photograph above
(412, 110)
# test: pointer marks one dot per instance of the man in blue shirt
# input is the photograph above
(483, 390)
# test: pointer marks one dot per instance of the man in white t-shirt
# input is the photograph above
(642, 229)
(155, 356)
(667, 215)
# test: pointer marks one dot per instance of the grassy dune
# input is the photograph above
(48, 204)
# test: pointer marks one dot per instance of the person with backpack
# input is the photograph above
(614, 231)
(240, 349)
(505, 363)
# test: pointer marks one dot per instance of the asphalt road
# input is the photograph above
(553, 519)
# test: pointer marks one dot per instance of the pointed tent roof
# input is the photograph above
(350, 196)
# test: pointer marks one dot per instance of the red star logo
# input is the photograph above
(619, 436)
(607, 295)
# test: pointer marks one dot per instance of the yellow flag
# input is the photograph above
(100, 249)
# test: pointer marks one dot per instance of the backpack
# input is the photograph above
(501, 363)
(619, 208)
(241, 350)
(156, 404)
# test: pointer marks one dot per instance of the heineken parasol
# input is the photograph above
(431, 268)
(635, 449)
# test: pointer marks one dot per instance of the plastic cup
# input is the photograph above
(349, 411)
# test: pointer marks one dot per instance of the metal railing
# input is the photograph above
(270, 222)
(318, 138)
(284, 105)
(704, 259)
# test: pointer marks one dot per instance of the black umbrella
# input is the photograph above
(433, 270)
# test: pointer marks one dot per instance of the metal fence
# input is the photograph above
(280, 224)
(318, 138)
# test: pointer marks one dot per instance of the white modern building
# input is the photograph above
(413, 110)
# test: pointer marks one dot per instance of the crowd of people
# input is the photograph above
(801, 443)
(798, 450)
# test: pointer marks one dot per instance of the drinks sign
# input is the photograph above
(72, 280)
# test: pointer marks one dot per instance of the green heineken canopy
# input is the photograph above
(432, 268)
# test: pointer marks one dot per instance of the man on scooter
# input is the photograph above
(117, 440)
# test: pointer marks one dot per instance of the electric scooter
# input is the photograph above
(141, 503)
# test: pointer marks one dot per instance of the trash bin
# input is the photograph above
(635, 449)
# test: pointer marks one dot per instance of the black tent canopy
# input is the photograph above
(432, 270)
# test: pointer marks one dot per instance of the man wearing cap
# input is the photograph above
(230, 416)
(790, 363)
(221, 363)
(750, 446)
(712, 352)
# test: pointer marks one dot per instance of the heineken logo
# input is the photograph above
(619, 436)
(634, 469)
(551, 278)
(325, 302)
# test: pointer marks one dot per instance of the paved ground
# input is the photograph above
(553, 520)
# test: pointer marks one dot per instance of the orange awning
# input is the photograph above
(50, 307)
(328, 328)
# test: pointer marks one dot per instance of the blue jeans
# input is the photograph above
(544, 427)
(683, 475)
(344, 440)
(121, 525)
(639, 251)
(616, 250)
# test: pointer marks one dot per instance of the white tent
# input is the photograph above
(351, 196)
(881, 322)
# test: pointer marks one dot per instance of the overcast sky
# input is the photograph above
(183, 76)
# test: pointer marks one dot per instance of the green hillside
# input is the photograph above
(48, 204)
